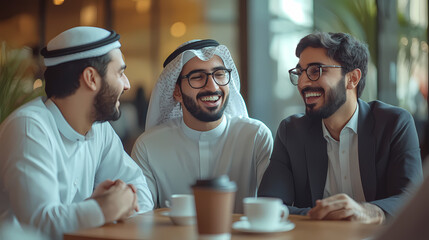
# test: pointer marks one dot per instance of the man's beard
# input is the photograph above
(105, 104)
(334, 100)
(198, 113)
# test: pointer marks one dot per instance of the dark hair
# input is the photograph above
(343, 48)
(62, 80)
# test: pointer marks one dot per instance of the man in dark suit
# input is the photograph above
(345, 158)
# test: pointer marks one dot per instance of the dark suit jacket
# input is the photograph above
(389, 158)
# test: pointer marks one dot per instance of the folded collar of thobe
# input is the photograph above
(64, 127)
(205, 135)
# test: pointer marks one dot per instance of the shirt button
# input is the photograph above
(343, 152)
(345, 177)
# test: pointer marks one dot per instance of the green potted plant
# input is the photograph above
(17, 68)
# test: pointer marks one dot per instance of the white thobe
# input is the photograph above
(48, 170)
(173, 156)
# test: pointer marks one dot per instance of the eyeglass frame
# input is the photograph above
(229, 70)
(321, 66)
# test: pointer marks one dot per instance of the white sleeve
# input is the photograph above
(29, 179)
(263, 149)
(139, 154)
(117, 164)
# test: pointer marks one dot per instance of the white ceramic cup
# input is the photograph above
(265, 213)
(181, 205)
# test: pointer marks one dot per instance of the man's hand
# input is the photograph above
(135, 203)
(102, 188)
(117, 201)
(342, 207)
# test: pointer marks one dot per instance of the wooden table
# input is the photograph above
(153, 225)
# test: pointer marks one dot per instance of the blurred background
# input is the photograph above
(261, 35)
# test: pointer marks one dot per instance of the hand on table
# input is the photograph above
(343, 207)
(117, 200)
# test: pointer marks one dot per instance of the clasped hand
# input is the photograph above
(116, 199)
(343, 207)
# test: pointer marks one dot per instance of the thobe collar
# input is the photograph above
(63, 126)
(206, 135)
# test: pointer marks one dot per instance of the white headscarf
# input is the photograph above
(163, 106)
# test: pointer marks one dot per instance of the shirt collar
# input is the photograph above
(206, 135)
(63, 126)
(352, 124)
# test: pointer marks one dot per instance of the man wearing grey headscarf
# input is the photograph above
(63, 167)
(197, 126)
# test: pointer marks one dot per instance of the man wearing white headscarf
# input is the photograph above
(197, 126)
(63, 168)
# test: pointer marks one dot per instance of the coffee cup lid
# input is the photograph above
(221, 183)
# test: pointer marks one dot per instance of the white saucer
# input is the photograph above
(244, 226)
(180, 220)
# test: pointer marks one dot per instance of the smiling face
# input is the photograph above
(325, 96)
(113, 84)
(203, 105)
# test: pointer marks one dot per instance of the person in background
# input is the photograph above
(197, 126)
(411, 221)
(63, 167)
(141, 105)
(344, 159)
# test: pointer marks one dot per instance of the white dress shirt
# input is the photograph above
(173, 156)
(343, 162)
(48, 170)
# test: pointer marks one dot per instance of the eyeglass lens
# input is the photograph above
(199, 79)
(313, 73)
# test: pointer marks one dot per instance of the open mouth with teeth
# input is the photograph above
(211, 100)
(311, 97)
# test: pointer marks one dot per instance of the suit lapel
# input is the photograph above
(366, 141)
(317, 159)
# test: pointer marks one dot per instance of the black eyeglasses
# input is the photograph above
(198, 79)
(314, 72)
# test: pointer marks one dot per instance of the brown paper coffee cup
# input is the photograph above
(214, 201)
